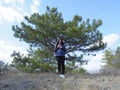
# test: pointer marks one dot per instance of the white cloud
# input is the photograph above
(8, 14)
(93, 67)
(95, 62)
(11, 11)
(35, 6)
(96, 58)
(111, 39)
(7, 48)
(14, 1)
(14, 10)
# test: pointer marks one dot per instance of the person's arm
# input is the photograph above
(63, 48)
(57, 47)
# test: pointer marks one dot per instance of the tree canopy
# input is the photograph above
(42, 31)
(112, 58)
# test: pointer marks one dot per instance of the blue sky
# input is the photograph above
(13, 11)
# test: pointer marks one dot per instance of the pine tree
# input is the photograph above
(42, 31)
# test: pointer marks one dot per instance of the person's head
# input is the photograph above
(60, 42)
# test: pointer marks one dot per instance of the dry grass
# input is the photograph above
(51, 81)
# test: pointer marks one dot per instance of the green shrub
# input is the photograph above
(3, 67)
(71, 68)
(79, 70)
(29, 64)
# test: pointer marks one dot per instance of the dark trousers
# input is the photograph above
(61, 64)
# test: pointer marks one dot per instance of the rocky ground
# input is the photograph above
(51, 81)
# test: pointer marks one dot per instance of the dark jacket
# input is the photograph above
(60, 51)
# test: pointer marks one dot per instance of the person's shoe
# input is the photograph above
(62, 76)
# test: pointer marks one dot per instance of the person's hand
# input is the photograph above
(58, 46)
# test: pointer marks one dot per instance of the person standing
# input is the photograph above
(60, 51)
